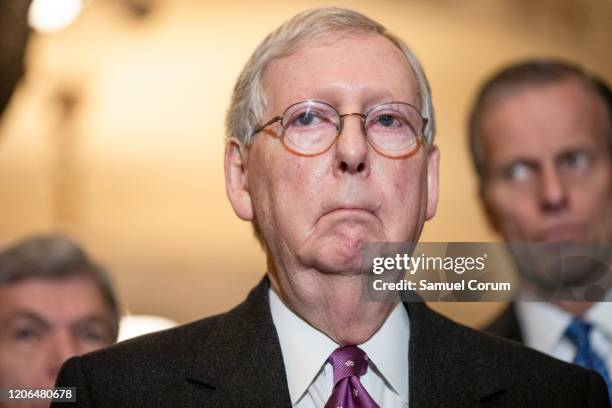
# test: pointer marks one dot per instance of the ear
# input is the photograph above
(236, 180)
(433, 177)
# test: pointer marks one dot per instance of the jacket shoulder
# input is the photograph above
(492, 350)
(528, 377)
(142, 362)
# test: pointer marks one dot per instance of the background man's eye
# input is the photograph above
(26, 334)
(518, 172)
(578, 160)
(90, 335)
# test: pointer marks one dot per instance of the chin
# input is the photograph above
(340, 265)
(340, 251)
(338, 260)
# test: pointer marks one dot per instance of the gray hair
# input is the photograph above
(54, 256)
(522, 74)
(248, 100)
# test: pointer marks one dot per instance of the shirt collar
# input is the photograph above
(545, 337)
(542, 337)
(303, 364)
(386, 348)
(599, 316)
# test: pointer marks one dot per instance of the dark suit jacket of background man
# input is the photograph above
(506, 325)
(235, 360)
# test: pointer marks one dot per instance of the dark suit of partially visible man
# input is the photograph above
(330, 146)
(541, 140)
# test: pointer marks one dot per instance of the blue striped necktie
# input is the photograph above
(578, 333)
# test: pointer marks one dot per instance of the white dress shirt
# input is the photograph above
(543, 325)
(309, 374)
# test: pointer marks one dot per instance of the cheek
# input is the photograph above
(512, 207)
(403, 186)
(285, 186)
(88, 346)
(298, 192)
(593, 200)
(20, 365)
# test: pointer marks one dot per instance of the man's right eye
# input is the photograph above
(518, 171)
(26, 334)
(306, 119)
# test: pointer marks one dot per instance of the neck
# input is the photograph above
(334, 304)
(576, 309)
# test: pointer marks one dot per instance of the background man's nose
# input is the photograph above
(553, 191)
(62, 348)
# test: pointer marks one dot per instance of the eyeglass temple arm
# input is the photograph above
(265, 125)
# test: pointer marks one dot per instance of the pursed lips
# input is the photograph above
(355, 210)
(561, 233)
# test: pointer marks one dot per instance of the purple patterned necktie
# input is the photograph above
(349, 363)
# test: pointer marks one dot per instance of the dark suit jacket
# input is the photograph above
(235, 360)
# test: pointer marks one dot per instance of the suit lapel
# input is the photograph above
(240, 363)
(446, 367)
(241, 360)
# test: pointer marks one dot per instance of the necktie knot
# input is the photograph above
(578, 332)
(348, 361)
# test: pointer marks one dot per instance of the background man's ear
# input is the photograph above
(236, 180)
(433, 177)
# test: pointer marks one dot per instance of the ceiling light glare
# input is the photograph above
(48, 16)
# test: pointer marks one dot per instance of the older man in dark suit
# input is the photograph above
(330, 146)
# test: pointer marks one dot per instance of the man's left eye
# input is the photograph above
(91, 335)
(387, 121)
(577, 160)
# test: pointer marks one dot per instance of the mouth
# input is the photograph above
(353, 209)
(350, 210)
(562, 234)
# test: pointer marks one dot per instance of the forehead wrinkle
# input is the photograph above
(339, 88)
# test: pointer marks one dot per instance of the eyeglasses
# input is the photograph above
(394, 129)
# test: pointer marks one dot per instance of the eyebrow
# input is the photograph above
(531, 160)
(29, 316)
(90, 319)
(93, 318)
(369, 96)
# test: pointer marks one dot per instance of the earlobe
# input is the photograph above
(236, 180)
(433, 160)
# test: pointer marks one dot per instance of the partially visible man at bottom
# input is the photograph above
(541, 142)
(330, 146)
(54, 304)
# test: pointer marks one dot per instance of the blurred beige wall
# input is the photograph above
(116, 135)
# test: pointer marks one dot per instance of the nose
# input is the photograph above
(553, 194)
(352, 147)
(62, 347)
